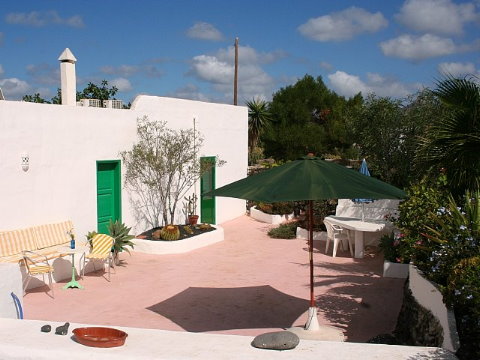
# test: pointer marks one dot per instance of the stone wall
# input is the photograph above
(416, 325)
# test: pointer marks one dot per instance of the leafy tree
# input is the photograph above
(452, 142)
(259, 118)
(102, 92)
(35, 98)
(307, 116)
(161, 168)
(386, 131)
(91, 91)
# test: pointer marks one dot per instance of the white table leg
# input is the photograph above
(359, 247)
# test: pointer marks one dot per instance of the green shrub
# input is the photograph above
(284, 231)
(276, 208)
(416, 218)
(463, 292)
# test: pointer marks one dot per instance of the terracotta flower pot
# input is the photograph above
(192, 219)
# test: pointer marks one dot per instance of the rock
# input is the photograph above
(278, 340)
(62, 330)
(156, 235)
(46, 328)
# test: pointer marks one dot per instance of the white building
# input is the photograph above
(61, 162)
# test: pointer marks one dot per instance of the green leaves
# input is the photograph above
(452, 142)
(120, 232)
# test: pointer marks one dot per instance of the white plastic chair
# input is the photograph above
(337, 234)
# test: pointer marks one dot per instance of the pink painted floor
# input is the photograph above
(246, 285)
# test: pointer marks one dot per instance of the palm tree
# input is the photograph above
(259, 118)
(453, 142)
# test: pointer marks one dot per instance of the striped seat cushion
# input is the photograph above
(15, 241)
(101, 246)
(12, 258)
(52, 234)
(39, 269)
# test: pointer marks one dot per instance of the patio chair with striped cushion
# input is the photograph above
(101, 250)
(37, 265)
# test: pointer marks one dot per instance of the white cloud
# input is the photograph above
(43, 18)
(204, 31)
(326, 66)
(44, 74)
(14, 88)
(343, 25)
(130, 70)
(458, 69)
(218, 69)
(189, 91)
(349, 85)
(436, 16)
(121, 84)
(418, 47)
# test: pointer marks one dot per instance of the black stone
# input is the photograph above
(62, 330)
(46, 328)
(278, 340)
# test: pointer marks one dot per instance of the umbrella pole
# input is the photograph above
(312, 320)
(310, 250)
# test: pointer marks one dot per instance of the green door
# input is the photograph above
(207, 183)
(108, 194)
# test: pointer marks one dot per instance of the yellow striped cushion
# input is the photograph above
(102, 244)
(15, 241)
(52, 234)
(11, 259)
(39, 269)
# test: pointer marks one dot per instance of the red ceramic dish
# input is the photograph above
(100, 336)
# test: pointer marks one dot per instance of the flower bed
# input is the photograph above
(186, 243)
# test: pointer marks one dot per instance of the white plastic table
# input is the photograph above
(359, 227)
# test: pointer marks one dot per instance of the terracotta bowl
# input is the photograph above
(102, 337)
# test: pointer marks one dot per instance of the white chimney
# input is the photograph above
(68, 78)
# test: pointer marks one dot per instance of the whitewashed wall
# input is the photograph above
(64, 143)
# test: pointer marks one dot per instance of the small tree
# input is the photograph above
(161, 168)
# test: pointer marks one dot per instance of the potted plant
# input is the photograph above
(394, 265)
(191, 208)
(120, 232)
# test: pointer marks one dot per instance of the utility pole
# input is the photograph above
(235, 79)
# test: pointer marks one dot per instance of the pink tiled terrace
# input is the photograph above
(247, 285)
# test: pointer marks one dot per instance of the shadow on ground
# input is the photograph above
(358, 300)
(198, 309)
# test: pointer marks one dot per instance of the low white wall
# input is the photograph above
(395, 270)
(269, 218)
(11, 281)
(317, 235)
(22, 339)
(427, 295)
(179, 246)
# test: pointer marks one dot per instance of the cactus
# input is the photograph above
(188, 229)
(170, 232)
(204, 226)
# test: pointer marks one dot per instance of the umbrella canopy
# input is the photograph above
(308, 178)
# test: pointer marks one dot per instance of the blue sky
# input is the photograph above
(184, 48)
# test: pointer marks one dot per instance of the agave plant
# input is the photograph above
(120, 232)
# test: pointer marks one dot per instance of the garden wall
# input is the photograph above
(424, 319)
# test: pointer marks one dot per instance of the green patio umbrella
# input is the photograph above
(308, 178)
